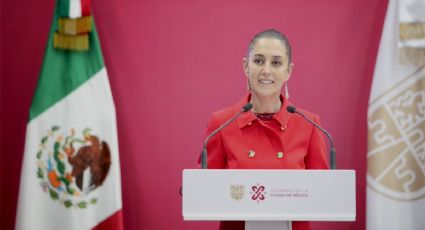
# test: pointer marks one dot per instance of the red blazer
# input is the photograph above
(287, 141)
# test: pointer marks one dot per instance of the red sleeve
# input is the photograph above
(216, 152)
(317, 152)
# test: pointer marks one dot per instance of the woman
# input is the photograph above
(268, 137)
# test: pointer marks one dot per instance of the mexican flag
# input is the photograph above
(71, 172)
(396, 122)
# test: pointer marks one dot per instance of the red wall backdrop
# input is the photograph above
(171, 63)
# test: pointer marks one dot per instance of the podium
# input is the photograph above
(269, 199)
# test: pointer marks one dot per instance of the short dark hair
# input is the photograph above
(271, 33)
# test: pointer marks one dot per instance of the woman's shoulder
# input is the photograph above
(225, 114)
(308, 114)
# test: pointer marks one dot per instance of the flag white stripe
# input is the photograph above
(75, 10)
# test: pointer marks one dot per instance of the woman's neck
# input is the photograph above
(265, 104)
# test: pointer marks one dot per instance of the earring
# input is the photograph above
(286, 91)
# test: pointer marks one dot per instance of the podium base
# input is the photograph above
(268, 225)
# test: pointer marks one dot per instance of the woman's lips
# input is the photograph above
(266, 81)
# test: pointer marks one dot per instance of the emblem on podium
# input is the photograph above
(237, 192)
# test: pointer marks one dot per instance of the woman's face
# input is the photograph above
(267, 67)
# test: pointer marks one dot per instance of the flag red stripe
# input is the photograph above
(85, 7)
(114, 222)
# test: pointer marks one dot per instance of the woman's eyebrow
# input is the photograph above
(258, 55)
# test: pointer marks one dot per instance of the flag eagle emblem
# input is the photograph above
(70, 166)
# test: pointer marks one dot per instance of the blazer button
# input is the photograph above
(250, 123)
(251, 153)
(283, 128)
(279, 155)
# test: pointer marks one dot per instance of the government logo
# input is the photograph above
(237, 192)
(258, 193)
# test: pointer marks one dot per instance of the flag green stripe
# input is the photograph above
(63, 71)
(63, 8)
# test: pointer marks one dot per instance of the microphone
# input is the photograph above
(292, 109)
(204, 154)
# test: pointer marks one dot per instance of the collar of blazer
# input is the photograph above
(246, 119)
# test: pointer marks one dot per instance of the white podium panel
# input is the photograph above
(269, 195)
